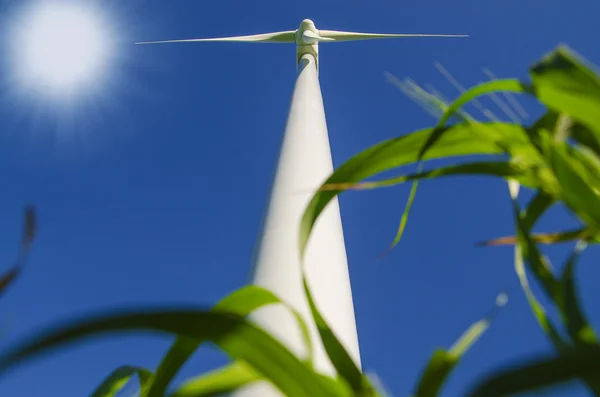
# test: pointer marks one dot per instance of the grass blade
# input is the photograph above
(404, 218)
(223, 380)
(579, 363)
(443, 361)
(577, 325)
(237, 337)
(115, 382)
(539, 268)
(241, 302)
(339, 357)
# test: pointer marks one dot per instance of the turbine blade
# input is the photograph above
(353, 36)
(277, 37)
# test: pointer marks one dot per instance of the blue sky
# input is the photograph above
(151, 190)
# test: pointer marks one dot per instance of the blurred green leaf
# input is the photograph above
(575, 180)
(223, 380)
(460, 140)
(240, 302)
(527, 249)
(549, 238)
(115, 382)
(443, 361)
(578, 327)
(565, 84)
(237, 337)
(519, 378)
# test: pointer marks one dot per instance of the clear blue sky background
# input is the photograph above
(151, 193)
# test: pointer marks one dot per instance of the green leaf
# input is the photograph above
(527, 248)
(510, 85)
(339, 357)
(549, 238)
(460, 140)
(443, 362)
(404, 218)
(565, 84)
(576, 182)
(223, 380)
(586, 137)
(115, 382)
(241, 302)
(519, 378)
(538, 205)
(578, 327)
(503, 169)
(439, 367)
(237, 337)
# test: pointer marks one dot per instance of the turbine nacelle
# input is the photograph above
(307, 38)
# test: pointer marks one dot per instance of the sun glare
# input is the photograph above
(60, 48)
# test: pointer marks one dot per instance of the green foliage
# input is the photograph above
(558, 157)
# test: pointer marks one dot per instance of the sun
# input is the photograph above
(60, 48)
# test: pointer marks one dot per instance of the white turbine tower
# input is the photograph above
(304, 163)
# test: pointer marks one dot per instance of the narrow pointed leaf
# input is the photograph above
(237, 337)
(115, 382)
(527, 249)
(241, 302)
(404, 218)
(277, 37)
(577, 325)
(443, 361)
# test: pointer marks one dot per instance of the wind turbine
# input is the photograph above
(304, 162)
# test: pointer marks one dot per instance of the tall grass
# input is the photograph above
(557, 156)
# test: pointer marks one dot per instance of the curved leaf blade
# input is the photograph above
(460, 140)
(241, 302)
(223, 380)
(115, 382)
(338, 355)
(525, 248)
(233, 334)
(577, 325)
